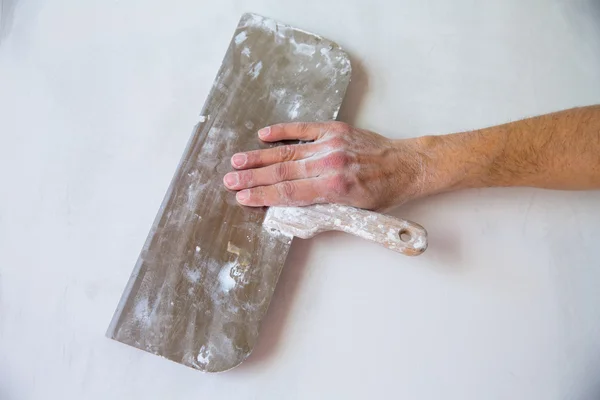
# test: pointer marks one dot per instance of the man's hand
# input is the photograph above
(340, 164)
(354, 167)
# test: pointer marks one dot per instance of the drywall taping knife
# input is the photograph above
(208, 269)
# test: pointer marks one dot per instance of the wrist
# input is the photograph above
(434, 172)
(417, 169)
(454, 161)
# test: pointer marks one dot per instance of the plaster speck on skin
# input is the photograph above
(197, 249)
(240, 38)
(203, 118)
(246, 52)
(249, 124)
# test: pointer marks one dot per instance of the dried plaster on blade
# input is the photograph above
(232, 273)
(283, 33)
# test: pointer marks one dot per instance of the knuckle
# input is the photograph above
(254, 157)
(246, 178)
(286, 190)
(337, 142)
(340, 127)
(302, 128)
(286, 152)
(337, 160)
(258, 194)
(280, 171)
(339, 185)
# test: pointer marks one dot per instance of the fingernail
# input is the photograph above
(243, 195)
(231, 179)
(264, 132)
(239, 159)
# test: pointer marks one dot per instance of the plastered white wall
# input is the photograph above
(97, 101)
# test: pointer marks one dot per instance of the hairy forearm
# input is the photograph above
(555, 151)
(342, 164)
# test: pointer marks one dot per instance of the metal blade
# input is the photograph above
(207, 272)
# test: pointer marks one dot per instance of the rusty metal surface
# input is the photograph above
(207, 272)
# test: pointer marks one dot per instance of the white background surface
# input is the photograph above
(97, 101)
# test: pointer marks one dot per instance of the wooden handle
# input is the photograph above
(305, 222)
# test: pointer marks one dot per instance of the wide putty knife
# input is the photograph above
(208, 269)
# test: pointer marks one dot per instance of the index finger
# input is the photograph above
(293, 131)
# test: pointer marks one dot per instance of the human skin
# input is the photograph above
(346, 165)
